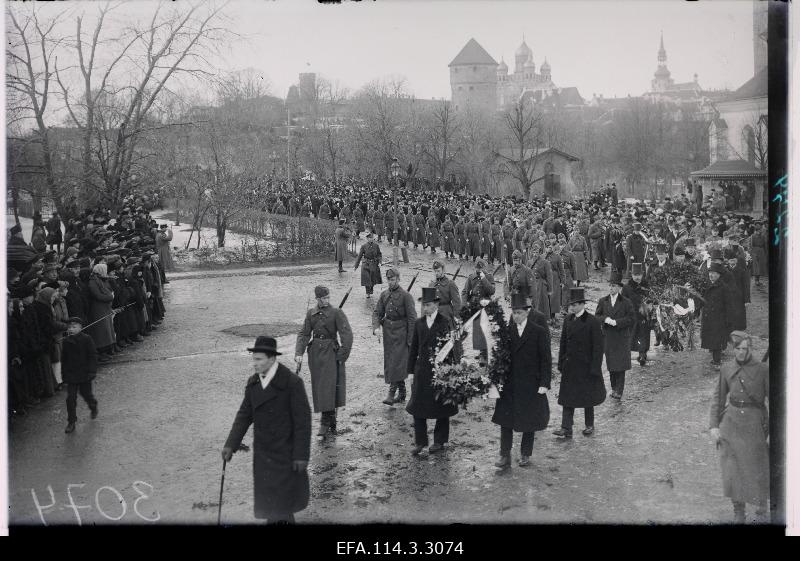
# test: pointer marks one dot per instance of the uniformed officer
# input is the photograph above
(327, 335)
(479, 285)
(393, 322)
(520, 277)
(447, 291)
(371, 271)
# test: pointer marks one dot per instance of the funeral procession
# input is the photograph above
(261, 273)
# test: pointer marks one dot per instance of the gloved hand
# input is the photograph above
(227, 454)
(542, 389)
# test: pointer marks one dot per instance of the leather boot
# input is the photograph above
(390, 396)
(324, 425)
(503, 462)
(401, 393)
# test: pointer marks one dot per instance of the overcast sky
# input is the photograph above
(607, 47)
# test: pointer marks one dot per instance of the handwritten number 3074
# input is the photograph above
(776, 232)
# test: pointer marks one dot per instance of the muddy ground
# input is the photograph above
(167, 405)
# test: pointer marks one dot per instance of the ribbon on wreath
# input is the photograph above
(483, 324)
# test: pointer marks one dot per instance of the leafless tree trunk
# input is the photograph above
(31, 47)
(524, 134)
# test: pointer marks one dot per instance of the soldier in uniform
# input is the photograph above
(432, 227)
(461, 238)
(508, 241)
(423, 404)
(479, 285)
(580, 359)
(327, 335)
(378, 220)
(449, 241)
(520, 277)
(447, 292)
(473, 238)
(342, 238)
(419, 229)
(393, 322)
(371, 271)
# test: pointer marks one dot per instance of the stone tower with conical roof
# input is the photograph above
(473, 79)
(662, 80)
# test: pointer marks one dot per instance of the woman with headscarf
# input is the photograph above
(740, 428)
(101, 312)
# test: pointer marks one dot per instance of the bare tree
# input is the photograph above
(30, 52)
(440, 148)
(143, 60)
(524, 133)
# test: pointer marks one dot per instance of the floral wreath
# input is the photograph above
(459, 382)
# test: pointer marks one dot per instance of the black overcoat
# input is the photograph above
(617, 338)
(521, 407)
(716, 321)
(580, 359)
(281, 419)
(78, 359)
(423, 402)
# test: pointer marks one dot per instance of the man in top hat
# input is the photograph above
(371, 271)
(393, 322)
(636, 292)
(635, 246)
(523, 405)
(447, 292)
(739, 285)
(276, 404)
(78, 369)
(618, 317)
(342, 238)
(327, 335)
(429, 330)
(580, 359)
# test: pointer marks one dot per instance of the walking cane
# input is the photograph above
(221, 486)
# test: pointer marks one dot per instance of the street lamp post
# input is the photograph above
(396, 174)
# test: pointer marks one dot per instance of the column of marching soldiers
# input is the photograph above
(545, 249)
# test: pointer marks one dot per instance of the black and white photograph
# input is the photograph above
(294, 263)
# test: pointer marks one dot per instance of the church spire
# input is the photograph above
(662, 53)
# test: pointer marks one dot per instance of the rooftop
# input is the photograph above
(730, 169)
(473, 53)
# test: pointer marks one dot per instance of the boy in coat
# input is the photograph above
(78, 369)
(423, 405)
(523, 405)
(617, 316)
(276, 404)
(580, 358)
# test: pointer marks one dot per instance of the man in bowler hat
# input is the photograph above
(580, 359)
(423, 405)
(275, 403)
(523, 405)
